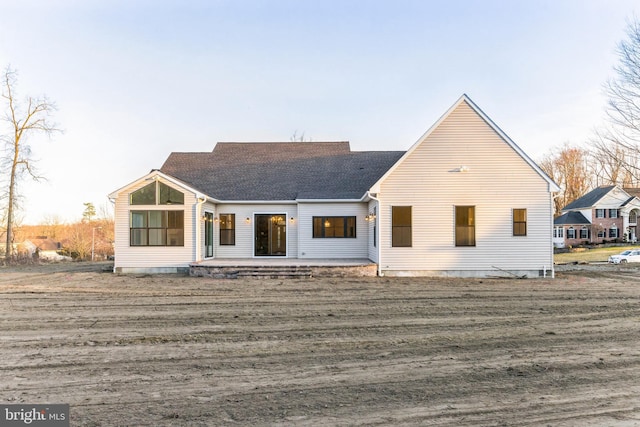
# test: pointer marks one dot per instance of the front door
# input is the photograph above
(270, 235)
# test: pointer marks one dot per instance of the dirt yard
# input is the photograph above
(174, 351)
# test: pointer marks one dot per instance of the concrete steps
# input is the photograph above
(252, 272)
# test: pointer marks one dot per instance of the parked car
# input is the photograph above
(625, 257)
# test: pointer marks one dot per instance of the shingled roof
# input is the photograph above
(589, 199)
(281, 170)
(571, 218)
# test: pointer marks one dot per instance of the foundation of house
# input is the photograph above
(282, 268)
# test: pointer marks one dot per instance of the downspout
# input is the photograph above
(199, 213)
(553, 268)
(377, 237)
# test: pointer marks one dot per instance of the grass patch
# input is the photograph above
(590, 255)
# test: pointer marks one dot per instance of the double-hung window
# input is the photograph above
(465, 225)
(584, 232)
(401, 226)
(519, 222)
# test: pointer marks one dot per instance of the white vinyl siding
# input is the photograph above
(244, 247)
(127, 256)
(496, 179)
(332, 248)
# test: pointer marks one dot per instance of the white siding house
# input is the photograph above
(466, 161)
(464, 200)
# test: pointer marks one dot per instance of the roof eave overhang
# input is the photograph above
(256, 202)
(362, 199)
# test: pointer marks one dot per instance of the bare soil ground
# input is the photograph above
(173, 351)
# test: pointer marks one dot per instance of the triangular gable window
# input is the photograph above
(157, 191)
(169, 196)
(144, 196)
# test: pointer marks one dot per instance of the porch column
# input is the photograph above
(625, 224)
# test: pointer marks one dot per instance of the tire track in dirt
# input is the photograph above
(168, 350)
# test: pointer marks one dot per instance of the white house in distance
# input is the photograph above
(464, 200)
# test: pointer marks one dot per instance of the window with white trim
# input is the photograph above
(613, 232)
(584, 232)
(519, 217)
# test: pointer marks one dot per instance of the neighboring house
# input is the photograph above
(605, 214)
(43, 248)
(464, 200)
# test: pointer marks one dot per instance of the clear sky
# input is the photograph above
(134, 80)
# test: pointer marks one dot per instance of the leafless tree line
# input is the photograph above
(612, 155)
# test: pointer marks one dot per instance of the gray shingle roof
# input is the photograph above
(571, 218)
(589, 199)
(281, 170)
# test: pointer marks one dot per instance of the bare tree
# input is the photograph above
(612, 163)
(299, 138)
(17, 153)
(568, 167)
(618, 143)
(79, 240)
(51, 226)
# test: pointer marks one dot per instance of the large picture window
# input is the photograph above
(519, 222)
(227, 229)
(401, 226)
(465, 226)
(157, 228)
(334, 227)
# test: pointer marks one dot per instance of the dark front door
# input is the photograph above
(271, 235)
